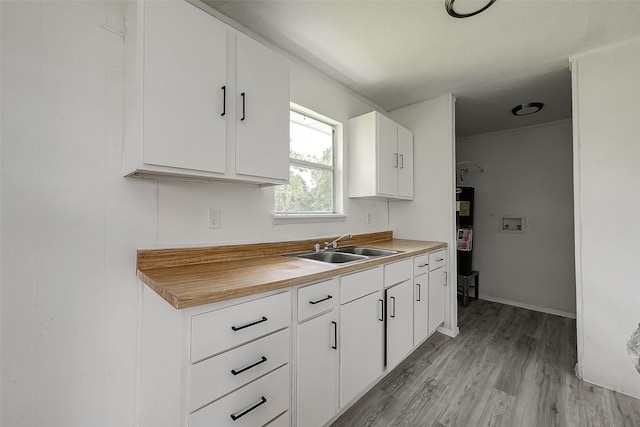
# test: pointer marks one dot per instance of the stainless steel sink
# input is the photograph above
(331, 256)
(346, 254)
(370, 252)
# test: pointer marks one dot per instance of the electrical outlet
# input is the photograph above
(368, 217)
(214, 218)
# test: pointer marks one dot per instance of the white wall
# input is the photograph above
(528, 172)
(431, 214)
(607, 153)
(70, 223)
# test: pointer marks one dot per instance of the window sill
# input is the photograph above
(280, 219)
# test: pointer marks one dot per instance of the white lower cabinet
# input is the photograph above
(399, 322)
(317, 379)
(437, 287)
(361, 342)
(228, 363)
(420, 308)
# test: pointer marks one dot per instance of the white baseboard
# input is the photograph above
(529, 306)
(448, 332)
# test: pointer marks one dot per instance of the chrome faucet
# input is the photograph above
(334, 244)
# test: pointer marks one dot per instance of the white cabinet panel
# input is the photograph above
(420, 308)
(420, 264)
(358, 284)
(397, 272)
(252, 405)
(317, 381)
(214, 377)
(185, 68)
(437, 286)
(405, 163)
(361, 342)
(437, 259)
(262, 141)
(399, 322)
(219, 330)
(317, 298)
(387, 156)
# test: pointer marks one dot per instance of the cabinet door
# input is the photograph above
(437, 286)
(185, 69)
(262, 135)
(420, 308)
(405, 168)
(361, 342)
(318, 370)
(399, 322)
(387, 146)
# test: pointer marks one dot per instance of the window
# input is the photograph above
(311, 171)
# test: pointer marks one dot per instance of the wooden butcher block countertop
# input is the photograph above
(188, 277)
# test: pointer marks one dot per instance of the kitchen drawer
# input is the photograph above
(253, 405)
(220, 330)
(217, 376)
(283, 420)
(318, 298)
(436, 259)
(398, 272)
(356, 285)
(420, 264)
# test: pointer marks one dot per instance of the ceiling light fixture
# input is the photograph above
(449, 6)
(527, 109)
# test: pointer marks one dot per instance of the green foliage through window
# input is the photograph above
(311, 152)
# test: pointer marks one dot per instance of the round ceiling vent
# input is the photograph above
(527, 109)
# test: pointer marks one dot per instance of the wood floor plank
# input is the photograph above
(507, 367)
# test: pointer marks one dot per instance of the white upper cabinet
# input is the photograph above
(183, 76)
(202, 101)
(262, 145)
(380, 158)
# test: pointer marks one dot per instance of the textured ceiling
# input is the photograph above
(398, 53)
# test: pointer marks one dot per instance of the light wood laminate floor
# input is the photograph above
(508, 367)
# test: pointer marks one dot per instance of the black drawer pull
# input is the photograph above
(423, 265)
(262, 360)
(439, 259)
(242, 95)
(246, 411)
(320, 300)
(335, 335)
(237, 328)
(224, 100)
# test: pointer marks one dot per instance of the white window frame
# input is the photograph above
(314, 217)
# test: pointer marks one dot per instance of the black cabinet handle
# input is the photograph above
(418, 285)
(335, 335)
(242, 95)
(396, 154)
(237, 328)
(381, 310)
(246, 368)
(439, 259)
(423, 265)
(393, 299)
(401, 161)
(328, 297)
(224, 100)
(263, 400)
